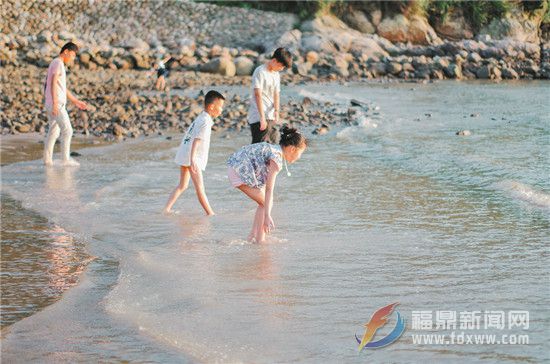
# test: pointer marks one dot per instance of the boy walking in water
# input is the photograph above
(192, 154)
(56, 93)
(263, 113)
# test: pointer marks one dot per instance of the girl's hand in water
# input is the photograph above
(268, 224)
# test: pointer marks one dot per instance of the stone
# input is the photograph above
(244, 66)
(474, 57)
(221, 65)
(316, 43)
(359, 21)
(453, 71)
(23, 128)
(509, 73)
(290, 40)
(341, 65)
(400, 29)
(518, 25)
(376, 17)
(454, 26)
(302, 68)
(312, 57)
(134, 99)
(119, 131)
(394, 68)
(464, 133)
(321, 130)
(483, 72)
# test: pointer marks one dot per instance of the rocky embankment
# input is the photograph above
(214, 45)
(120, 108)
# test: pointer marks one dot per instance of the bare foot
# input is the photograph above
(70, 163)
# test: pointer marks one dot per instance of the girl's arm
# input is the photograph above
(166, 59)
(272, 171)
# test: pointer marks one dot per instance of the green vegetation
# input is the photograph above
(477, 13)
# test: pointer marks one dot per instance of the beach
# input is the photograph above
(394, 208)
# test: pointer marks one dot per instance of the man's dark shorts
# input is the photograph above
(270, 134)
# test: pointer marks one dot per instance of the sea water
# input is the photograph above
(394, 209)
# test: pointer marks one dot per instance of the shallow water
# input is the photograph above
(396, 209)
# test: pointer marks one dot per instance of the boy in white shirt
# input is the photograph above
(192, 154)
(263, 113)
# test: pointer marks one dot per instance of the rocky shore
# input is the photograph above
(215, 45)
(119, 107)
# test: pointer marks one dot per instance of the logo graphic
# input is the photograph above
(378, 320)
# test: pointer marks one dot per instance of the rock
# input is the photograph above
(140, 60)
(312, 57)
(76, 154)
(290, 40)
(244, 66)
(306, 101)
(474, 57)
(394, 29)
(222, 65)
(316, 43)
(44, 36)
(331, 30)
(376, 17)
(134, 99)
(496, 73)
(321, 130)
(119, 131)
(367, 48)
(136, 44)
(85, 58)
(23, 128)
(454, 26)
(453, 71)
(488, 72)
(400, 29)
(518, 25)
(394, 68)
(509, 73)
(341, 65)
(378, 68)
(215, 51)
(358, 20)
(464, 133)
(302, 68)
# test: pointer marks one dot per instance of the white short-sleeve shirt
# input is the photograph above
(56, 67)
(200, 128)
(269, 83)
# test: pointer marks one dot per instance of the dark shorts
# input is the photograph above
(163, 72)
(270, 134)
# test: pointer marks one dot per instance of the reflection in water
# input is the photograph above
(40, 260)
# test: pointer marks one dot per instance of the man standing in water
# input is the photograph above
(263, 114)
(57, 94)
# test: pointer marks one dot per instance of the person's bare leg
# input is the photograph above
(199, 188)
(252, 234)
(260, 233)
(182, 186)
(258, 196)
